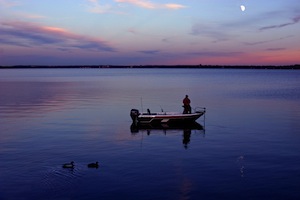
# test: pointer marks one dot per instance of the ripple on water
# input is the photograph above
(61, 182)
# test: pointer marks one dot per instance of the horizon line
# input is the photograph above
(295, 66)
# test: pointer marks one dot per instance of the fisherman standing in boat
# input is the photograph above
(186, 105)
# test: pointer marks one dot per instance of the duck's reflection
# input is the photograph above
(186, 128)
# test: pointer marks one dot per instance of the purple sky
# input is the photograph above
(142, 32)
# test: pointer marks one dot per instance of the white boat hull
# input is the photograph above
(164, 117)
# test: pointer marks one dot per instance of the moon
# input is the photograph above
(243, 8)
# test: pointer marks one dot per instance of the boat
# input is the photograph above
(165, 117)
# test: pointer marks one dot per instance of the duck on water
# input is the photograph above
(93, 165)
(69, 165)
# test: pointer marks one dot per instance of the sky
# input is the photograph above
(149, 32)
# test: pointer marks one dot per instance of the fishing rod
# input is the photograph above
(142, 104)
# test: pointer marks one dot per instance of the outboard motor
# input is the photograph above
(134, 113)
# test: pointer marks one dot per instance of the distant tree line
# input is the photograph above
(296, 66)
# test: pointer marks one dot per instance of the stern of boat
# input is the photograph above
(134, 113)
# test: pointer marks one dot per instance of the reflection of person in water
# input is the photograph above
(186, 137)
(186, 105)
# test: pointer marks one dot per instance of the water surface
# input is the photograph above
(249, 147)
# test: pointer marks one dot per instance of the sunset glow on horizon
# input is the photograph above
(149, 32)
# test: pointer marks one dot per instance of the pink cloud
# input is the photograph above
(26, 34)
(151, 5)
(8, 3)
(174, 6)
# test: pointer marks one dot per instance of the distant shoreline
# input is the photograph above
(296, 66)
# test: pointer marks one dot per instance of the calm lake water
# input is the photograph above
(249, 147)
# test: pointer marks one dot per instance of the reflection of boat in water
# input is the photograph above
(135, 128)
(165, 117)
(186, 128)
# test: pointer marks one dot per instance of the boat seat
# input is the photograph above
(149, 113)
